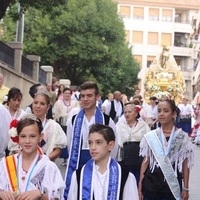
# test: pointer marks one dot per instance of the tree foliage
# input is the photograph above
(39, 4)
(82, 40)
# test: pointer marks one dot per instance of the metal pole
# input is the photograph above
(20, 25)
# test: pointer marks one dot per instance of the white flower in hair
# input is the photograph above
(5, 98)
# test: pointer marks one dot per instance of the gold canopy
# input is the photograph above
(164, 77)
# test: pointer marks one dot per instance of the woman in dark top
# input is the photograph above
(168, 156)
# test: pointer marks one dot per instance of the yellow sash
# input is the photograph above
(12, 172)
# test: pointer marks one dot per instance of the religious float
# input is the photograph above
(164, 78)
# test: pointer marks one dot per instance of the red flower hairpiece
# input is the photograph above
(13, 123)
(137, 108)
(15, 139)
(13, 132)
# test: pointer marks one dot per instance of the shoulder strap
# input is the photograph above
(122, 107)
(78, 176)
(124, 173)
(112, 105)
(112, 112)
(106, 119)
(73, 118)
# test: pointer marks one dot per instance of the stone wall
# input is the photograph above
(15, 79)
(13, 75)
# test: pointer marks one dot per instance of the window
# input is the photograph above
(138, 58)
(153, 14)
(150, 59)
(153, 38)
(125, 11)
(167, 15)
(127, 35)
(138, 13)
(166, 38)
(137, 37)
(178, 17)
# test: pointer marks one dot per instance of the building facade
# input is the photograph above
(151, 24)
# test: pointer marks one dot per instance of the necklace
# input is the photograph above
(23, 175)
(67, 103)
(167, 144)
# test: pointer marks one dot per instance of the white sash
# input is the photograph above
(164, 163)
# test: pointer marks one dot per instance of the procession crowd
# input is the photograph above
(119, 148)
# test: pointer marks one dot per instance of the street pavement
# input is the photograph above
(194, 184)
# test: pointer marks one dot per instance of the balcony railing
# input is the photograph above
(7, 54)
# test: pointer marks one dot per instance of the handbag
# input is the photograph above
(131, 155)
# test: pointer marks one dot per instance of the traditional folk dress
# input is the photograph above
(77, 138)
(115, 184)
(53, 137)
(163, 176)
(18, 114)
(186, 112)
(43, 175)
(61, 110)
(129, 139)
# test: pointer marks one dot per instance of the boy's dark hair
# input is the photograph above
(104, 130)
(33, 89)
(89, 85)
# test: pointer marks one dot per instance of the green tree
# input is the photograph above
(39, 4)
(82, 40)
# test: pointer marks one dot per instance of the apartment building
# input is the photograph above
(151, 23)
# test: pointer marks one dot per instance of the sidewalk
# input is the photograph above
(194, 184)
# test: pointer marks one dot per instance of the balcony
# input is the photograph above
(182, 51)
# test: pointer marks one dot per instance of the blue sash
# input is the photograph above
(86, 192)
(164, 163)
(76, 146)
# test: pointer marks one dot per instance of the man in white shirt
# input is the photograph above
(115, 108)
(78, 129)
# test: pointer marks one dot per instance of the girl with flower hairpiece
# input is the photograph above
(16, 113)
(168, 157)
(29, 174)
(130, 133)
(53, 137)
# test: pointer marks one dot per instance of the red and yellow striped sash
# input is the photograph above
(12, 172)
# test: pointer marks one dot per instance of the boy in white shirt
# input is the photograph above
(102, 178)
